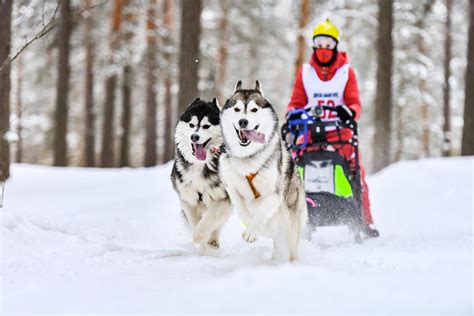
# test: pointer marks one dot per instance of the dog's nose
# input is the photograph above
(194, 137)
(243, 123)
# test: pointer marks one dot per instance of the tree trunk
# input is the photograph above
(303, 21)
(150, 119)
(468, 129)
(447, 148)
(402, 115)
(167, 45)
(425, 107)
(19, 111)
(108, 130)
(89, 117)
(223, 48)
(126, 98)
(126, 116)
(62, 85)
(383, 99)
(189, 52)
(5, 41)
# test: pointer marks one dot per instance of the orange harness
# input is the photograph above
(250, 178)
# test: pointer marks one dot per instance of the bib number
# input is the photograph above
(326, 113)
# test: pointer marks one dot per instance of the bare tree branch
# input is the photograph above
(53, 22)
(45, 30)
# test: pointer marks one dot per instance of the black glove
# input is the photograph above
(292, 116)
(344, 113)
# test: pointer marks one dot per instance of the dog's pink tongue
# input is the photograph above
(200, 152)
(254, 136)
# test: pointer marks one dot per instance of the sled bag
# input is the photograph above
(325, 175)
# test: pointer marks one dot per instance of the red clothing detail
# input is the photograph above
(347, 151)
(299, 99)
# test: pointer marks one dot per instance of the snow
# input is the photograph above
(113, 241)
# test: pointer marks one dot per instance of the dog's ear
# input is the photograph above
(192, 103)
(238, 86)
(216, 103)
(258, 87)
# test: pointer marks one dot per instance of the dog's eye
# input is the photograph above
(254, 110)
(206, 126)
(191, 125)
(236, 109)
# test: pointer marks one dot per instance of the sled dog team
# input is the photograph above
(234, 158)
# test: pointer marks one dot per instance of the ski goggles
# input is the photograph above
(324, 42)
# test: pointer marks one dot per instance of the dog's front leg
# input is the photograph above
(239, 205)
(213, 219)
(242, 211)
(264, 209)
(190, 213)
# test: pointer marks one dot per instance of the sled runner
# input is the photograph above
(332, 184)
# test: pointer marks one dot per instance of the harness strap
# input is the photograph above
(250, 178)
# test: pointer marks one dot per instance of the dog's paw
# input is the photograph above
(213, 244)
(216, 150)
(249, 236)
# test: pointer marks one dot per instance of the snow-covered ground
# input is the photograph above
(112, 241)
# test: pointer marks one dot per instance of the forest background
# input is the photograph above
(100, 83)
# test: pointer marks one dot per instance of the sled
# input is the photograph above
(332, 185)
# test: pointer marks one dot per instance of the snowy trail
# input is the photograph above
(112, 241)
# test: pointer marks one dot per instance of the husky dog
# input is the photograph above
(195, 177)
(259, 173)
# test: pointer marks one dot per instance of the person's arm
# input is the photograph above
(351, 94)
(298, 96)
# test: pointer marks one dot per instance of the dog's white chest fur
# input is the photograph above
(234, 174)
(194, 190)
(266, 181)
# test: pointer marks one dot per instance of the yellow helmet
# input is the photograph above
(326, 28)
